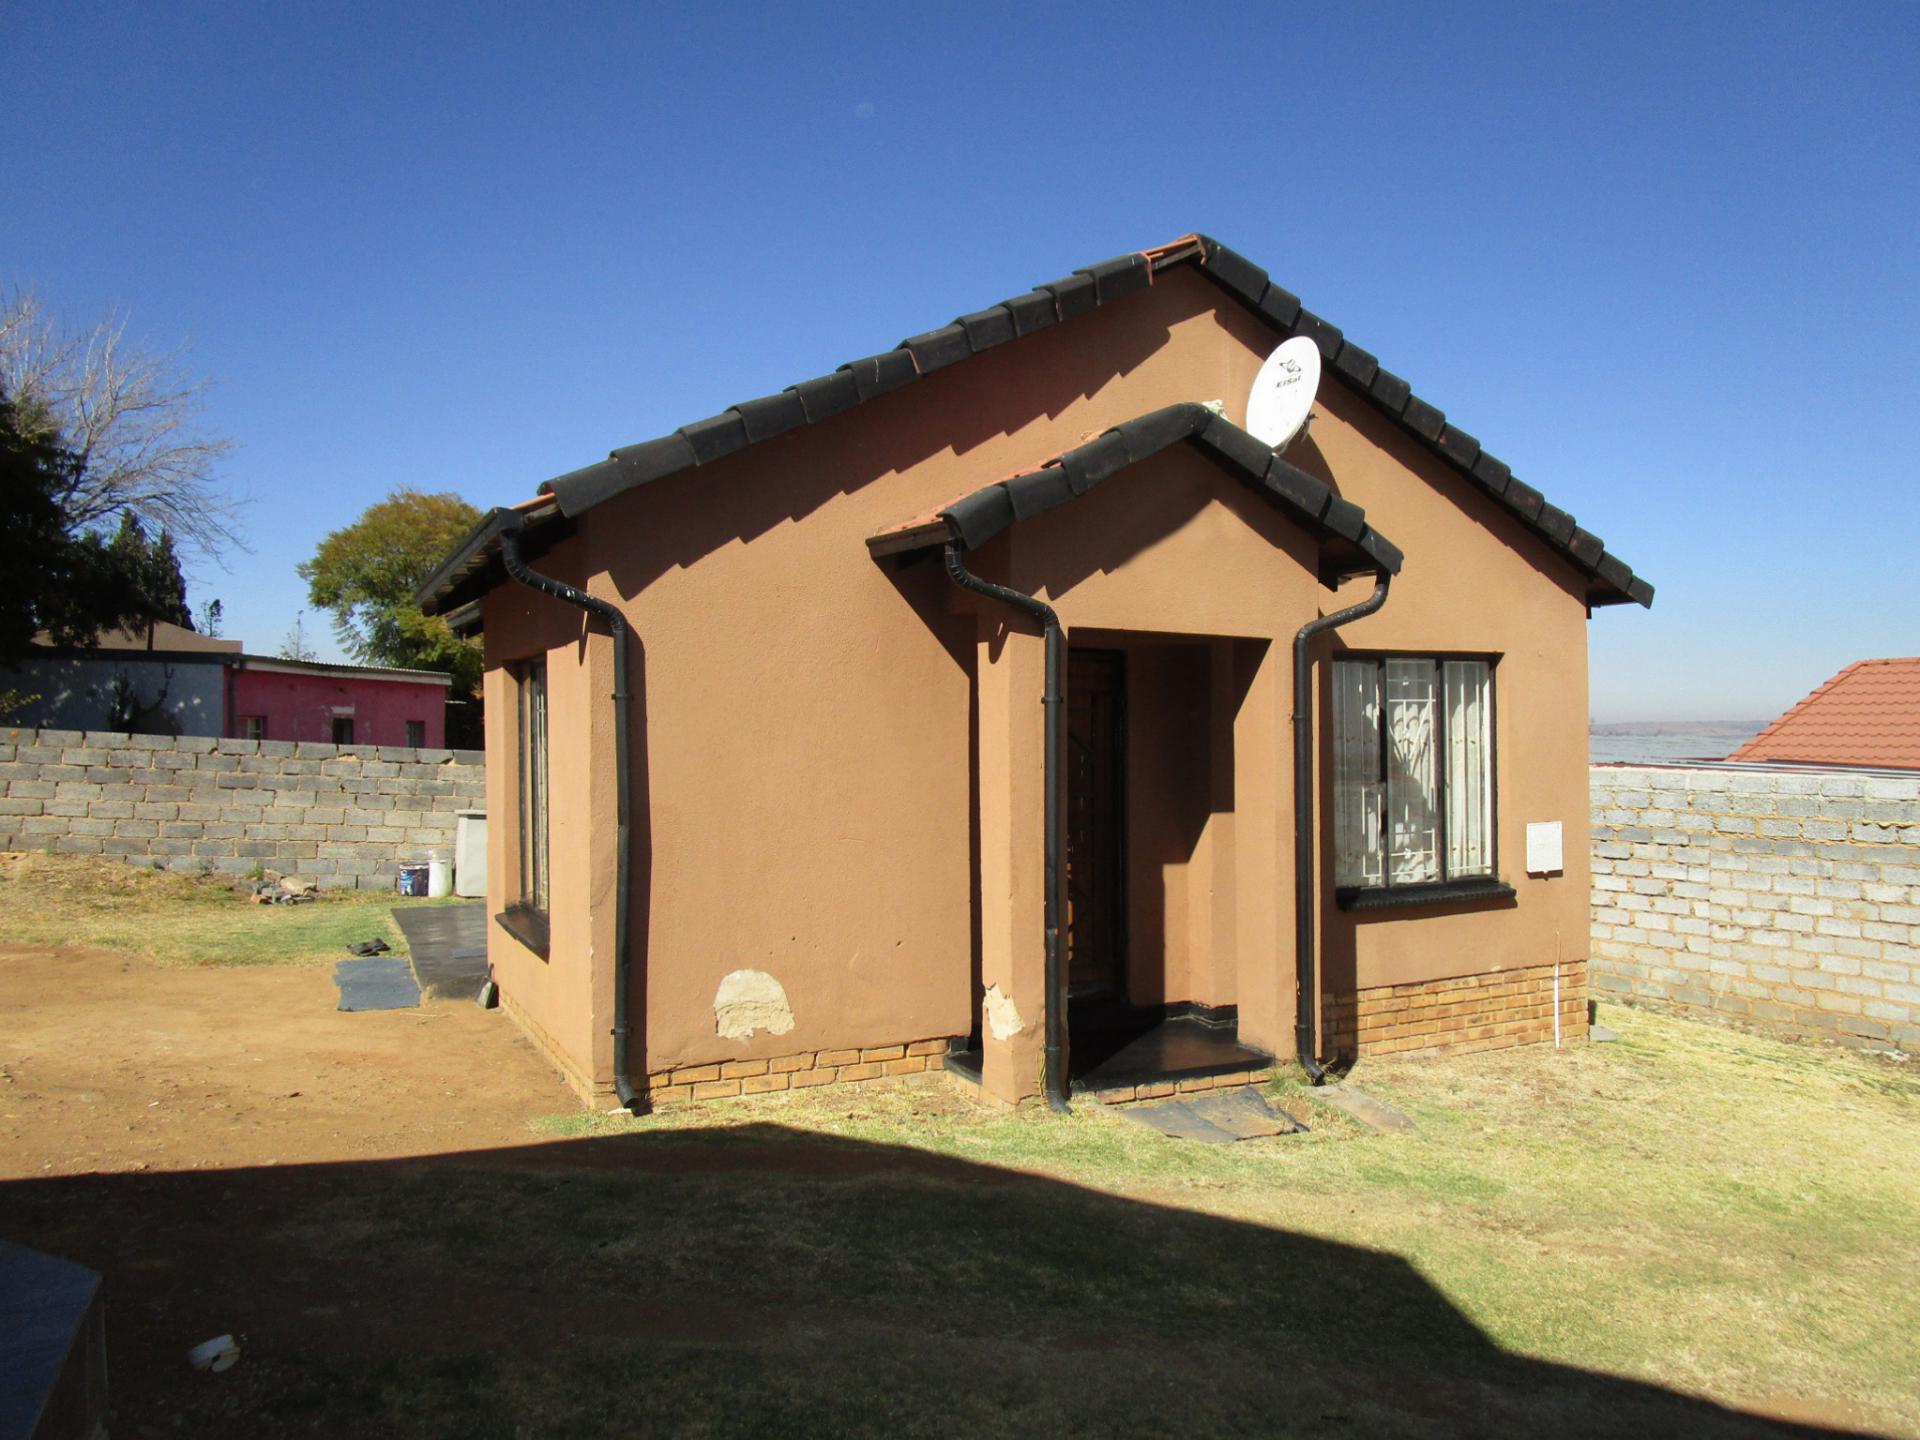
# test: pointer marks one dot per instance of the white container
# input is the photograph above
(439, 877)
(217, 1354)
(470, 854)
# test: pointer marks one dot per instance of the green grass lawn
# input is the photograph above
(1692, 1206)
(181, 919)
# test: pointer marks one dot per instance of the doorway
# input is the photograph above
(1096, 826)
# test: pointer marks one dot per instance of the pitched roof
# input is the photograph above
(1868, 714)
(811, 401)
(1349, 544)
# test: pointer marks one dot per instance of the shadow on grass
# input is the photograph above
(765, 1281)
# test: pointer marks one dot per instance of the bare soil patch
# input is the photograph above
(113, 1063)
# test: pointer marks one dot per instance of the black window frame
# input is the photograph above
(338, 721)
(416, 733)
(253, 727)
(1386, 894)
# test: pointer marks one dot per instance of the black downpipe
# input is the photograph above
(1306, 892)
(1054, 698)
(623, 829)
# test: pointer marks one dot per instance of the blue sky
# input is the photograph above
(1664, 259)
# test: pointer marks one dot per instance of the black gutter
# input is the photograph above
(1054, 698)
(1306, 959)
(509, 533)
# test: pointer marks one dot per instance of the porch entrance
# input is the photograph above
(1096, 826)
(1149, 811)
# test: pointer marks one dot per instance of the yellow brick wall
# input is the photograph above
(721, 1079)
(1475, 1012)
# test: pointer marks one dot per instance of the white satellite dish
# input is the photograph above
(1283, 392)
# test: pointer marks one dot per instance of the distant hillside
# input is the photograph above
(1652, 741)
(1738, 729)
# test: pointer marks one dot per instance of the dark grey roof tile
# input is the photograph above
(1356, 364)
(1072, 296)
(1459, 447)
(1555, 523)
(978, 517)
(1280, 306)
(1524, 500)
(651, 459)
(1307, 493)
(716, 436)
(1119, 276)
(1235, 271)
(1389, 391)
(1087, 465)
(987, 328)
(1326, 336)
(771, 415)
(1491, 473)
(1423, 419)
(828, 395)
(877, 374)
(1039, 491)
(935, 349)
(1032, 311)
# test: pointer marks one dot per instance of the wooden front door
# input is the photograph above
(1096, 820)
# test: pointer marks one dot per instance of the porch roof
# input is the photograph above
(1348, 544)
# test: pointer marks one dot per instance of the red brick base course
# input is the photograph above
(718, 1079)
(1459, 1016)
(1163, 1089)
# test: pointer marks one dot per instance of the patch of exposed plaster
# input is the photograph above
(750, 1000)
(1003, 1016)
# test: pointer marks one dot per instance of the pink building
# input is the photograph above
(272, 699)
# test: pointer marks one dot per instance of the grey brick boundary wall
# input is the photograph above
(343, 816)
(1786, 899)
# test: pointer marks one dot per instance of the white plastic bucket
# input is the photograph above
(439, 877)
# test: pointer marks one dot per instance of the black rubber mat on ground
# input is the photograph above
(1215, 1118)
(449, 947)
(382, 983)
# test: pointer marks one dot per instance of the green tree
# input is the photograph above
(365, 576)
(56, 577)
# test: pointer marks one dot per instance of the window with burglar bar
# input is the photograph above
(1413, 770)
(532, 726)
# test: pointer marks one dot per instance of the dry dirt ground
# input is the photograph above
(110, 1063)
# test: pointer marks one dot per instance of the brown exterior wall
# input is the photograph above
(838, 759)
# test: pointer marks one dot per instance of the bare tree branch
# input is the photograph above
(132, 417)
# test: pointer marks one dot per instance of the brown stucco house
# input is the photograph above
(997, 701)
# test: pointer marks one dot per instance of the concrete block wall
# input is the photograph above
(1785, 899)
(343, 816)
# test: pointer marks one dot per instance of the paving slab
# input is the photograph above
(449, 947)
(1374, 1114)
(1215, 1118)
(381, 983)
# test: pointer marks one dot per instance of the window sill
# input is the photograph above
(1395, 897)
(527, 925)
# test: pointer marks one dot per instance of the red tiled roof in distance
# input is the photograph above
(1868, 714)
